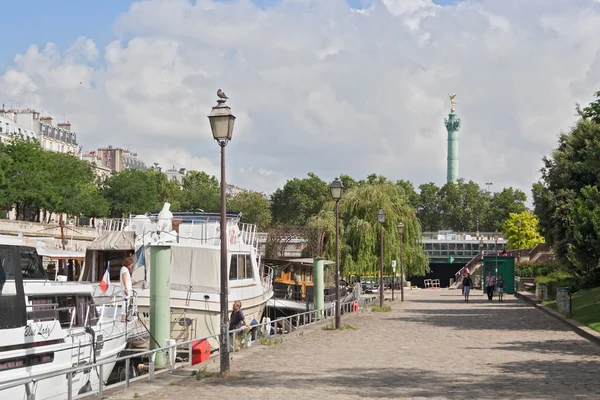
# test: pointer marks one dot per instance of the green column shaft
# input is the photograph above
(319, 282)
(160, 298)
(452, 125)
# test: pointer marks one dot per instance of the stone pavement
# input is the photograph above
(433, 346)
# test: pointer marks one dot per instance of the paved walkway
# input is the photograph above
(434, 346)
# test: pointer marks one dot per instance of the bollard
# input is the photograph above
(127, 368)
(100, 382)
(563, 300)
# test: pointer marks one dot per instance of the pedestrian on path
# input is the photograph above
(466, 284)
(500, 288)
(490, 283)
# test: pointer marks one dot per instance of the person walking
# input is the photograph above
(501, 288)
(126, 285)
(467, 283)
(490, 283)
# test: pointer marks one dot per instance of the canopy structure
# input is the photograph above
(57, 254)
(120, 240)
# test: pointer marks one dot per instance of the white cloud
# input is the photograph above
(318, 87)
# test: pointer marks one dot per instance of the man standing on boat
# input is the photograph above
(126, 285)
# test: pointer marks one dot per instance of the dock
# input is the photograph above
(432, 346)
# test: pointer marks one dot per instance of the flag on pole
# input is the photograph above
(105, 283)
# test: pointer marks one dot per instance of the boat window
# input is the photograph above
(41, 308)
(249, 270)
(86, 307)
(241, 267)
(66, 306)
(31, 264)
(26, 361)
(12, 311)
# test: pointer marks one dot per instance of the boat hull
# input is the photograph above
(194, 318)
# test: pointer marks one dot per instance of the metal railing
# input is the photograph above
(264, 330)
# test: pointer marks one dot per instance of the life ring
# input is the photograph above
(232, 236)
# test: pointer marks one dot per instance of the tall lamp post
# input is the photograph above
(337, 189)
(401, 233)
(519, 240)
(221, 123)
(381, 219)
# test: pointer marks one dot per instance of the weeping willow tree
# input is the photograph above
(360, 231)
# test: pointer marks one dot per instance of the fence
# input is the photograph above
(267, 329)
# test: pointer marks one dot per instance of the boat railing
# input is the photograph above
(263, 333)
(91, 314)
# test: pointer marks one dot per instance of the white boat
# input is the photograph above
(48, 326)
(195, 270)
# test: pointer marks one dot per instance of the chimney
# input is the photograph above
(46, 120)
(65, 125)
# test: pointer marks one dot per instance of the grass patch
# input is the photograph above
(331, 327)
(586, 307)
(270, 341)
(385, 308)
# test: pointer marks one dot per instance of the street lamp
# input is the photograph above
(221, 123)
(381, 219)
(401, 233)
(337, 189)
(519, 240)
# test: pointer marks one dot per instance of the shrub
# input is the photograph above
(557, 279)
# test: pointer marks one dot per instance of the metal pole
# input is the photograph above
(401, 269)
(100, 382)
(224, 348)
(337, 265)
(127, 371)
(393, 281)
(381, 269)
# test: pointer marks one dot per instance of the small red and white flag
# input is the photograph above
(105, 283)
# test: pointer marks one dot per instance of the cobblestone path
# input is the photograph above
(433, 346)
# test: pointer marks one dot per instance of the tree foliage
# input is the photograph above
(527, 235)
(298, 200)
(200, 192)
(130, 192)
(360, 231)
(255, 208)
(566, 199)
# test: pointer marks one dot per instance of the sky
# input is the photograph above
(332, 87)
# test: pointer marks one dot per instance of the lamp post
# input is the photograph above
(381, 219)
(519, 240)
(401, 233)
(393, 278)
(337, 189)
(221, 123)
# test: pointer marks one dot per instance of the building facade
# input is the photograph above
(450, 247)
(29, 124)
(117, 159)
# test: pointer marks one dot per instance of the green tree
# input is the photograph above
(298, 200)
(360, 230)
(200, 192)
(28, 184)
(463, 206)
(583, 235)
(167, 191)
(592, 111)
(130, 192)
(502, 204)
(255, 208)
(564, 198)
(428, 209)
(73, 190)
(527, 235)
